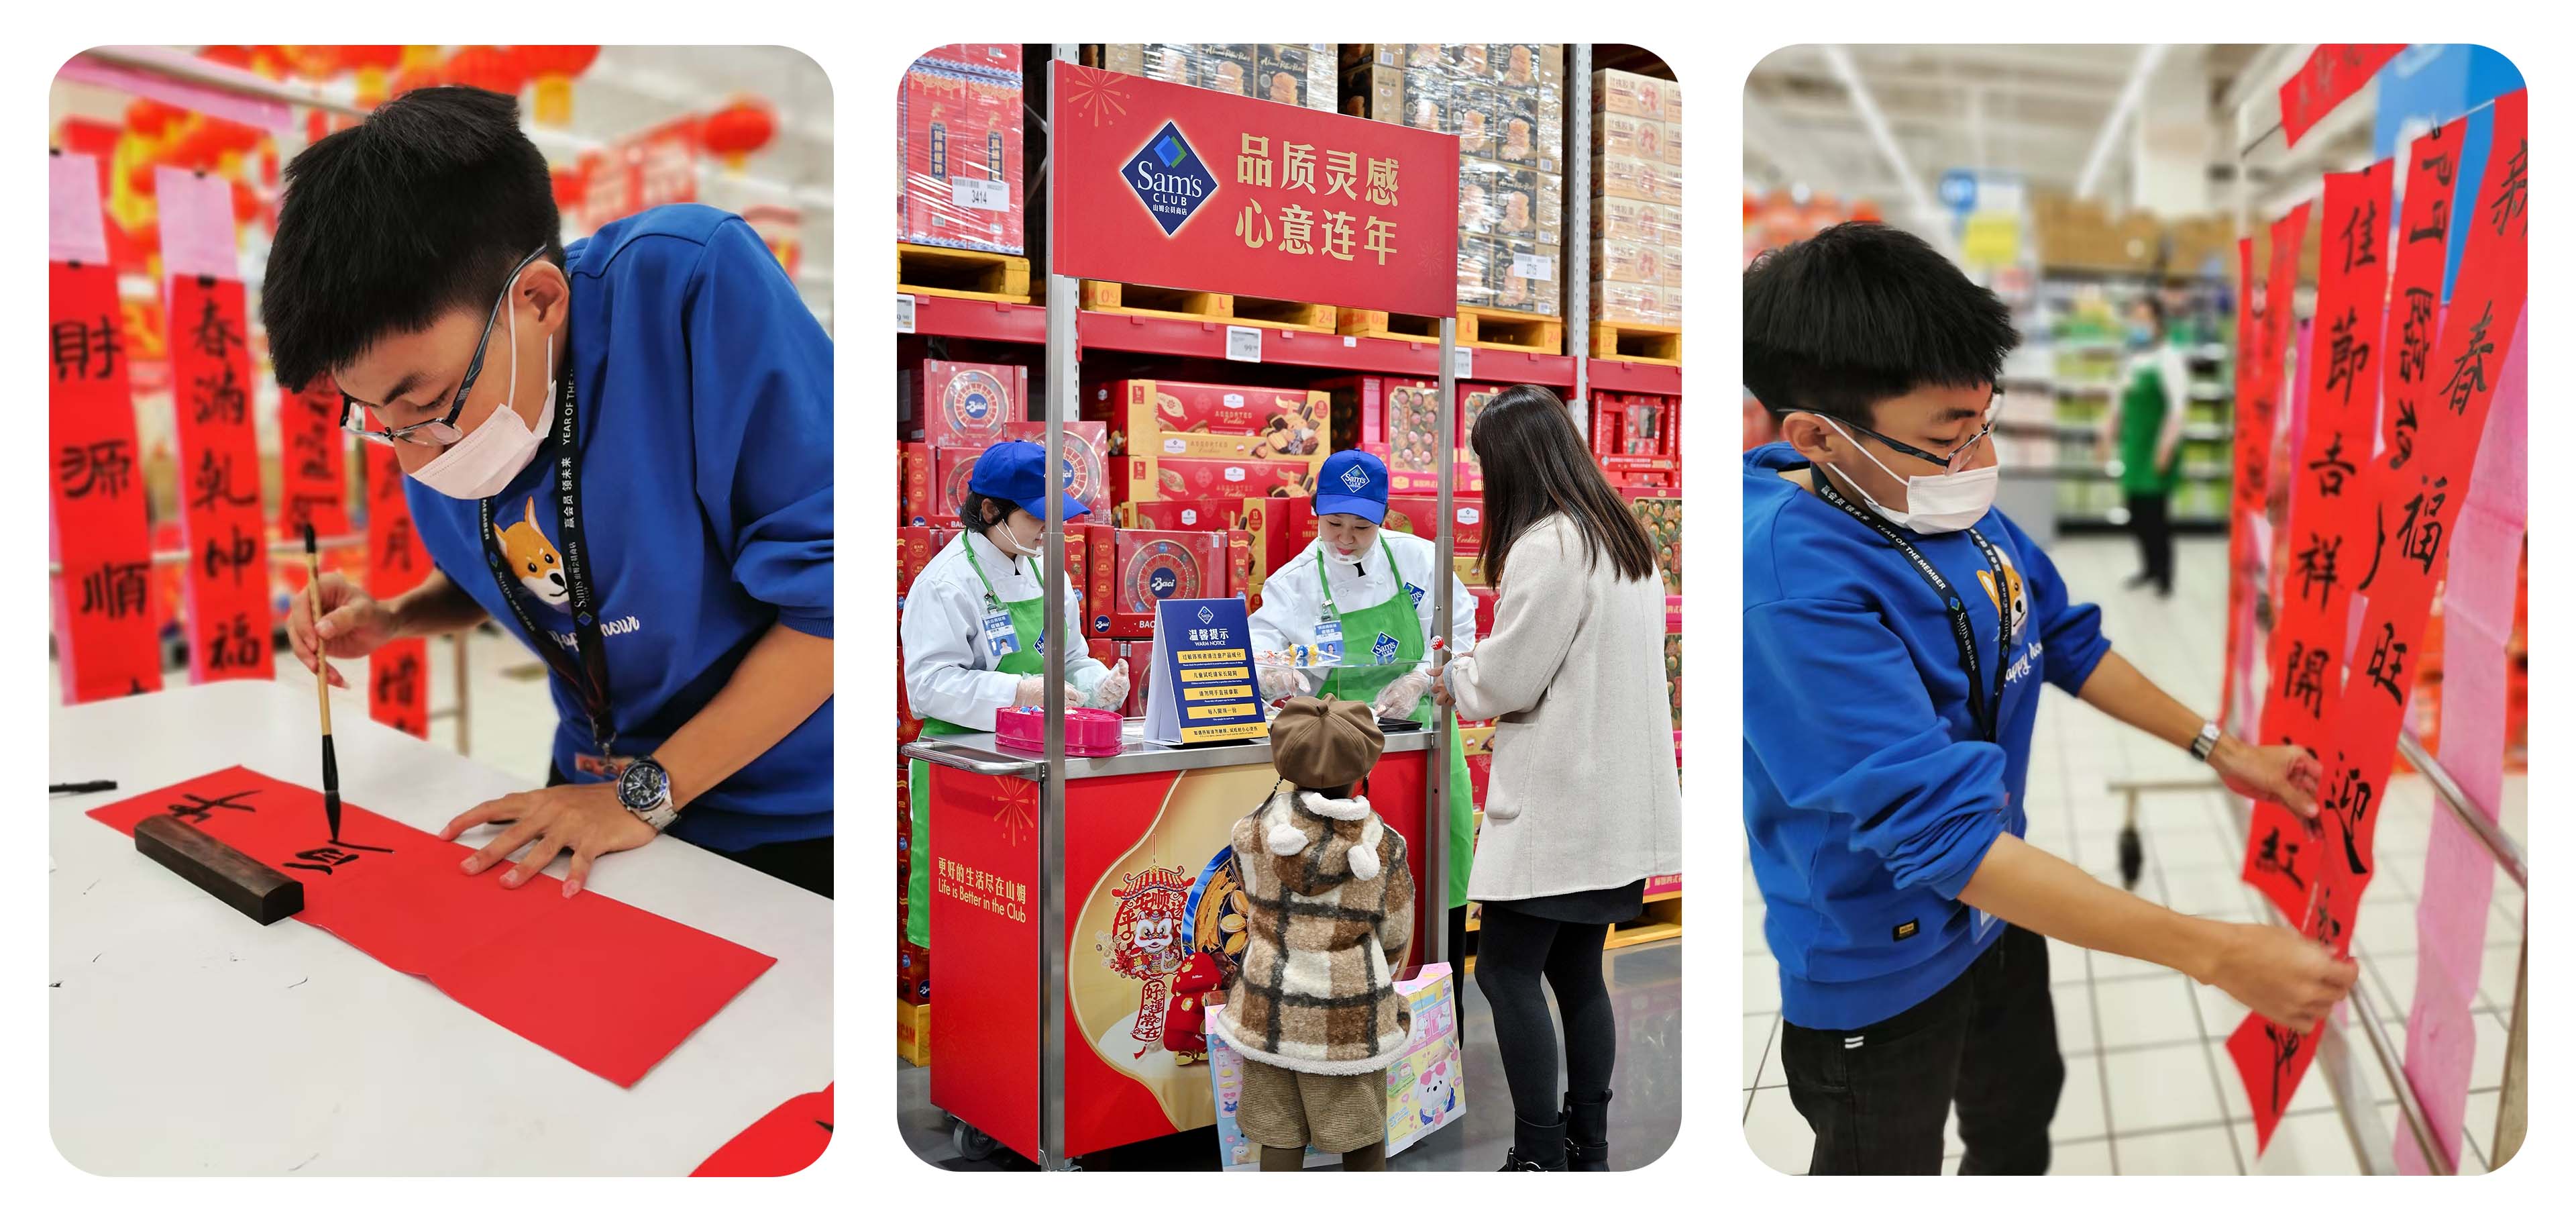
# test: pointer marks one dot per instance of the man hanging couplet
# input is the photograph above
(2463, 369)
(2286, 873)
(398, 672)
(103, 624)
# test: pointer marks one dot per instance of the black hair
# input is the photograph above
(1536, 466)
(386, 226)
(1862, 313)
(2155, 311)
(970, 512)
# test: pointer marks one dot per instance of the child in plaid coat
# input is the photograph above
(1313, 1008)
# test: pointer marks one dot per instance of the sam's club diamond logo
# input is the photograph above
(1169, 178)
(1356, 479)
(1384, 648)
(1207, 616)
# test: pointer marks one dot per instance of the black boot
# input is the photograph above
(1587, 1133)
(1536, 1146)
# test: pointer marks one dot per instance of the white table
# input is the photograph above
(187, 1039)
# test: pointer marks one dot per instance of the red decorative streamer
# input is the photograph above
(221, 518)
(104, 622)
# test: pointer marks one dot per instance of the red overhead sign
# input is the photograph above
(1186, 188)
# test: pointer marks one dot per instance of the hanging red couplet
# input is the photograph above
(220, 519)
(2283, 873)
(104, 627)
(2332, 73)
(2415, 288)
(2409, 554)
(398, 672)
(314, 471)
(2240, 527)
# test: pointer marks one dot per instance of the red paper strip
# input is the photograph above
(606, 986)
(2415, 288)
(2240, 526)
(104, 623)
(2410, 552)
(785, 1141)
(2281, 868)
(2332, 73)
(2270, 1061)
(225, 526)
(398, 672)
(315, 467)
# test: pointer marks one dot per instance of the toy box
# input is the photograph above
(1086, 458)
(966, 406)
(959, 151)
(1153, 479)
(1156, 565)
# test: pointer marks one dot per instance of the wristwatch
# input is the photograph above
(2202, 743)
(645, 790)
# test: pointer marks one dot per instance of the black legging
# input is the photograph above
(1513, 950)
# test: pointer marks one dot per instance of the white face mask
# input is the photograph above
(1934, 503)
(491, 456)
(1333, 553)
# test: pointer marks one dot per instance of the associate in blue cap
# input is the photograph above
(1352, 483)
(1014, 472)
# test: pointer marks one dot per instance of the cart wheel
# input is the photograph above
(971, 1142)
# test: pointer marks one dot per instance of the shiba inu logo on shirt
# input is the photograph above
(2020, 593)
(535, 560)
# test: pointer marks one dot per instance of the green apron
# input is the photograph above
(1400, 619)
(1026, 658)
(2142, 420)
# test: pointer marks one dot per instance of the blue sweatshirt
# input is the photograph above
(705, 389)
(1870, 794)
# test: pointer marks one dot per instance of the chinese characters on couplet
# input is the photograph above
(2359, 234)
(2510, 192)
(2347, 356)
(2437, 225)
(2419, 536)
(231, 646)
(105, 466)
(235, 554)
(2469, 372)
(1294, 229)
(2332, 469)
(2316, 569)
(2303, 677)
(2348, 802)
(115, 590)
(2388, 662)
(2277, 855)
(330, 857)
(213, 483)
(86, 352)
(194, 810)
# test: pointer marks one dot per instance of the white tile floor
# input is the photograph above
(511, 715)
(2149, 1086)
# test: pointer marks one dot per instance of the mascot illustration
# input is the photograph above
(534, 560)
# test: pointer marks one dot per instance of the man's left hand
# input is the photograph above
(586, 820)
(2287, 774)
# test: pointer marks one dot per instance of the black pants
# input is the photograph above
(1878, 1096)
(803, 863)
(2150, 520)
(1514, 952)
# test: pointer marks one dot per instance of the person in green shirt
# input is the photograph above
(2144, 429)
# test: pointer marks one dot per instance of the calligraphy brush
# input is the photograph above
(322, 685)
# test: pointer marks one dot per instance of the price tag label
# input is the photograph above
(1533, 268)
(1243, 344)
(903, 315)
(1462, 362)
(977, 193)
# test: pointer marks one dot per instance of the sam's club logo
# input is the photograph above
(1169, 178)
(1356, 479)
(1385, 648)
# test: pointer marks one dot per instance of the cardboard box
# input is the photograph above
(1179, 515)
(1413, 428)
(1419, 515)
(1637, 263)
(1526, 276)
(1151, 479)
(958, 125)
(1632, 303)
(1471, 568)
(1295, 74)
(1155, 565)
(1637, 179)
(1628, 94)
(915, 505)
(1086, 460)
(1672, 102)
(965, 406)
(912, 1033)
(1639, 221)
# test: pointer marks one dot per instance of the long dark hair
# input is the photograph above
(1536, 466)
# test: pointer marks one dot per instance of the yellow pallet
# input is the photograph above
(1241, 310)
(1388, 325)
(1643, 343)
(1662, 921)
(912, 1032)
(947, 272)
(1510, 330)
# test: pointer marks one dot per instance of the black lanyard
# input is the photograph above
(1988, 715)
(590, 680)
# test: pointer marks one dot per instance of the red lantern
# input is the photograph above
(151, 118)
(314, 64)
(554, 68)
(246, 203)
(571, 186)
(489, 68)
(737, 130)
(373, 65)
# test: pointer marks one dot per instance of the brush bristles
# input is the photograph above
(309, 544)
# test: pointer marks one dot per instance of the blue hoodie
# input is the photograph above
(705, 388)
(1870, 795)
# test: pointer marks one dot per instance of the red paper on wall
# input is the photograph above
(104, 620)
(2415, 289)
(2282, 872)
(606, 986)
(398, 672)
(783, 1142)
(221, 518)
(2333, 72)
(314, 469)
(2240, 526)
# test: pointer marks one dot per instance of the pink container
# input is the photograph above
(1089, 733)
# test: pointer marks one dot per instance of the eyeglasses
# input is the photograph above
(441, 432)
(1951, 462)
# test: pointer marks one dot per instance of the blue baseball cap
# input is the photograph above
(1352, 483)
(1015, 471)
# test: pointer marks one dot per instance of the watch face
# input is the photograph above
(641, 786)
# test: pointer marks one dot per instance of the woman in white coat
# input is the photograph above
(1358, 600)
(974, 630)
(1584, 802)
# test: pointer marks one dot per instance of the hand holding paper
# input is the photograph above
(2283, 975)
(2287, 774)
(586, 820)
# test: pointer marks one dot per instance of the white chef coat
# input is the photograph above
(947, 669)
(1292, 602)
